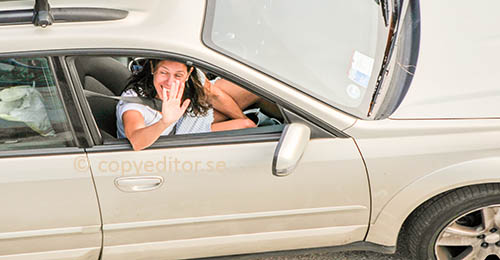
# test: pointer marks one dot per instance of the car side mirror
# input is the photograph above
(291, 147)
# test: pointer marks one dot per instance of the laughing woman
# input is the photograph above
(186, 107)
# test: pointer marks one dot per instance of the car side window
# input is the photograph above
(31, 111)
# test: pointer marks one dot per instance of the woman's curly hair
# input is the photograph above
(142, 83)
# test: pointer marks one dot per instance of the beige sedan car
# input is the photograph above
(367, 149)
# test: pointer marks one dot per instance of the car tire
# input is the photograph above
(457, 225)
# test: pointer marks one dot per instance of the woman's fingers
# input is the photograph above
(164, 94)
(185, 105)
(181, 89)
(174, 88)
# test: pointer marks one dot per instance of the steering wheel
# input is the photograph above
(136, 64)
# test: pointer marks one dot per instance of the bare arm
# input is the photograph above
(140, 135)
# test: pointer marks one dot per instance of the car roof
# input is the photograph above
(147, 26)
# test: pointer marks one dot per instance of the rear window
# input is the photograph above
(324, 48)
(31, 111)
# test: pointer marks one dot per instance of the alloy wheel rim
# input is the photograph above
(474, 235)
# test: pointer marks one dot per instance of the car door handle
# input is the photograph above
(138, 183)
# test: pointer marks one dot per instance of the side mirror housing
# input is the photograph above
(290, 148)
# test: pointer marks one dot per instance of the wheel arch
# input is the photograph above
(387, 225)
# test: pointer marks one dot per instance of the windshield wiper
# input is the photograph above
(388, 51)
(385, 11)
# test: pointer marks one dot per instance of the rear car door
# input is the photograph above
(49, 204)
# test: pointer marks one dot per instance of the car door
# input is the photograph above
(193, 198)
(49, 204)
(216, 194)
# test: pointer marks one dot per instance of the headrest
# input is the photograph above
(108, 71)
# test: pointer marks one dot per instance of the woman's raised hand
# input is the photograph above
(172, 109)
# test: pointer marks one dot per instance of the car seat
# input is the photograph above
(107, 76)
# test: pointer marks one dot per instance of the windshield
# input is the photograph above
(324, 48)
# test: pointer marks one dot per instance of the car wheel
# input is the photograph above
(461, 224)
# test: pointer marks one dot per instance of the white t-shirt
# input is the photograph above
(187, 124)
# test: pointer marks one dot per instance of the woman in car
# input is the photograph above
(189, 104)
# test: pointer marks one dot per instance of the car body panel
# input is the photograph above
(386, 229)
(84, 253)
(242, 200)
(238, 244)
(421, 158)
(47, 211)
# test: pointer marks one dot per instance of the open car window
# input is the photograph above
(110, 76)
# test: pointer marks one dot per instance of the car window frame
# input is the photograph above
(203, 139)
(79, 138)
(86, 112)
(163, 141)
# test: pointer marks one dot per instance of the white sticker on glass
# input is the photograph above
(353, 91)
(361, 69)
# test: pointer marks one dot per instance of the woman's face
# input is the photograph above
(167, 73)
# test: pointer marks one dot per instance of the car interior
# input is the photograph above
(109, 76)
(32, 117)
